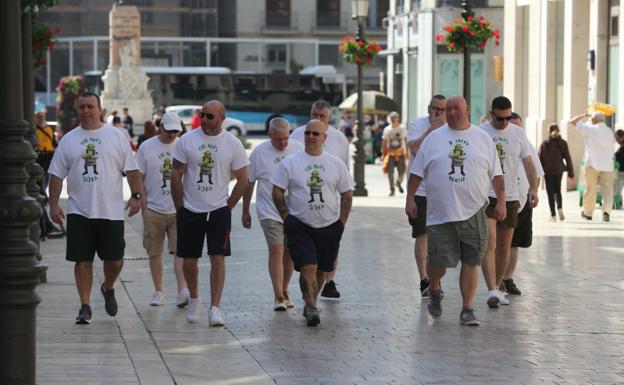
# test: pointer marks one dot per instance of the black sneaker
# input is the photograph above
(110, 303)
(510, 287)
(311, 315)
(330, 291)
(586, 216)
(84, 315)
(424, 287)
(435, 303)
(398, 184)
(606, 217)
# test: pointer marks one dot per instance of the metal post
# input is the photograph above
(71, 58)
(95, 54)
(467, 12)
(19, 273)
(360, 156)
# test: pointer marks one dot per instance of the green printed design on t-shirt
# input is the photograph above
(500, 150)
(206, 164)
(165, 170)
(89, 156)
(458, 156)
(315, 182)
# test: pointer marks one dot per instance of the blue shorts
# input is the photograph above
(313, 246)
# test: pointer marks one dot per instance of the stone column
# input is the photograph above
(575, 75)
(620, 107)
(514, 81)
(426, 60)
(598, 41)
(19, 273)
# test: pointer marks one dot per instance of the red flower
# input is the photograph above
(458, 21)
(369, 48)
(470, 18)
(378, 47)
(360, 43)
(480, 17)
(471, 33)
(450, 28)
(439, 38)
(369, 60)
(465, 28)
(37, 45)
(451, 44)
(357, 59)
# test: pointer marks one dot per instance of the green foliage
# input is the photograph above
(33, 6)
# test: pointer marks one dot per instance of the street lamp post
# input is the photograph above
(360, 12)
(467, 12)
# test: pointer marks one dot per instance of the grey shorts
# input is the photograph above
(273, 232)
(448, 243)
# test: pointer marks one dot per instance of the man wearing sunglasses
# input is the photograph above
(419, 129)
(314, 213)
(336, 143)
(159, 216)
(203, 205)
(512, 147)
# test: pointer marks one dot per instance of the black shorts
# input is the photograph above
(419, 224)
(193, 227)
(313, 246)
(85, 237)
(523, 234)
(511, 221)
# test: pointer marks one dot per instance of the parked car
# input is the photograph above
(234, 126)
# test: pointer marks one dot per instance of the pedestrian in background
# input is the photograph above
(555, 158)
(394, 151)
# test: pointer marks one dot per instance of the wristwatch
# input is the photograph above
(136, 195)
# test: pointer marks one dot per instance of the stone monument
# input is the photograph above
(125, 83)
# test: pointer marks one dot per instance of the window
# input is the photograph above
(276, 54)
(327, 13)
(277, 13)
(147, 16)
(328, 55)
(458, 3)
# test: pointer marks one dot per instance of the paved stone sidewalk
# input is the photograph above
(566, 328)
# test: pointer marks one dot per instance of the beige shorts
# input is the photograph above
(273, 232)
(155, 226)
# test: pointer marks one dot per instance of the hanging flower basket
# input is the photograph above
(42, 41)
(473, 32)
(358, 51)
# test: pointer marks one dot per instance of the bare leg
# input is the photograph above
(435, 275)
(83, 274)
(420, 252)
(111, 272)
(191, 270)
(513, 262)
(468, 280)
(288, 269)
(276, 269)
(178, 269)
(488, 265)
(156, 268)
(217, 279)
(503, 244)
(320, 280)
(311, 286)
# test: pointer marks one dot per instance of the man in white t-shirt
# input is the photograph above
(456, 202)
(419, 129)
(203, 161)
(159, 217)
(93, 158)
(338, 145)
(262, 163)
(512, 148)
(314, 213)
(599, 163)
(394, 150)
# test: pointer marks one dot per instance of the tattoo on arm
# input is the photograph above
(280, 201)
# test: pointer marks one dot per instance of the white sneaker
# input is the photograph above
(157, 299)
(280, 305)
(216, 319)
(193, 314)
(493, 300)
(289, 303)
(183, 298)
(502, 297)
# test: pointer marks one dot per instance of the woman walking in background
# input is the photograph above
(555, 158)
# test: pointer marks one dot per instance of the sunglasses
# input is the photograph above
(313, 133)
(206, 115)
(502, 118)
(441, 109)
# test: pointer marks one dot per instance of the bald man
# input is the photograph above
(314, 213)
(203, 161)
(460, 162)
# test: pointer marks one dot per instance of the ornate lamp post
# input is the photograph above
(466, 13)
(359, 13)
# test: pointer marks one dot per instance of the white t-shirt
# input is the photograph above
(396, 137)
(459, 166)
(262, 164)
(523, 181)
(156, 162)
(313, 184)
(417, 128)
(93, 162)
(599, 143)
(512, 145)
(209, 162)
(336, 142)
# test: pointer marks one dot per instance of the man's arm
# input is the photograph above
(239, 188)
(436, 123)
(136, 186)
(531, 173)
(280, 201)
(177, 193)
(246, 217)
(346, 199)
(577, 118)
(412, 186)
(56, 212)
(498, 182)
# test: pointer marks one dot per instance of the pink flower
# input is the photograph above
(465, 28)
